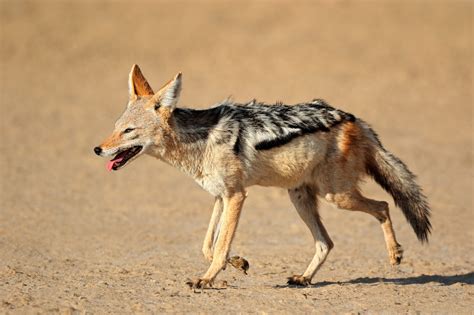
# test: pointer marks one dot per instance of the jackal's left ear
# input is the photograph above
(137, 84)
(168, 95)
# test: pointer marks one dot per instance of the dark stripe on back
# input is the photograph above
(195, 125)
(278, 142)
(238, 142)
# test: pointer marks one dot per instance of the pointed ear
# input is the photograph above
(137, 84)
(168, 95)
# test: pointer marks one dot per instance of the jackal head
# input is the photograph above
(143, 125)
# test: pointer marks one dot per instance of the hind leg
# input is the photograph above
(305, 202)
(379, 209)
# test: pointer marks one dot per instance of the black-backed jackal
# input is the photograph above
(311, 149)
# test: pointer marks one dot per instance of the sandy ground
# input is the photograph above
(75, 238)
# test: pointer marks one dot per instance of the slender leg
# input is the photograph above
(211, 235)
(379, 209)
(305, 202)
(240, 263)
(230, 219)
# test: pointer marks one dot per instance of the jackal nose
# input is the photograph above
(98, 150)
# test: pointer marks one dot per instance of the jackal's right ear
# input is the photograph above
(137, 84)
(167, 97)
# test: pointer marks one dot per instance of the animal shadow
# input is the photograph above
(467, 278)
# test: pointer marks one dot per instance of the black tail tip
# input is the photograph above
(423, 238)
(423, 231)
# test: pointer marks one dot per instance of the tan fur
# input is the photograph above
(305, 202)
(353, 200)
(113, 141)
(290, 165)
(232, 208)
(210, 234)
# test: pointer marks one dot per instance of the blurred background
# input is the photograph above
(74, 237)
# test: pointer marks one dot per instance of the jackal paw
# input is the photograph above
(298, 280)
(396, 255)
(239, 263)
(199, 283)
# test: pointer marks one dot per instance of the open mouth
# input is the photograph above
(123, 157)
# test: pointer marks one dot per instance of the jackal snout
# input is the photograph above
(98, 150)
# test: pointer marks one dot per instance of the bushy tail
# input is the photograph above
(394, 176)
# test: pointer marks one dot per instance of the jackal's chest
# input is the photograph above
(211, 183)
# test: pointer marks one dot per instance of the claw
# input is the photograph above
(239, 263)
(298, 280)
(199, 283)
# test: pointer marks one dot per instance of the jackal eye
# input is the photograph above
(128, 130)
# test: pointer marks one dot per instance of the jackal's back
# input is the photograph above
(263, 127)
(276, 144)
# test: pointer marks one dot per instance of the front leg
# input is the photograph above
(207, 246)
(232, 208)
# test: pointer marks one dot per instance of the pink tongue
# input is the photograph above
(111, 164)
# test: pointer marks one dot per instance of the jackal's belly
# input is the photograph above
(289, 165)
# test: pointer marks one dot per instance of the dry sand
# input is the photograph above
(75, 238)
